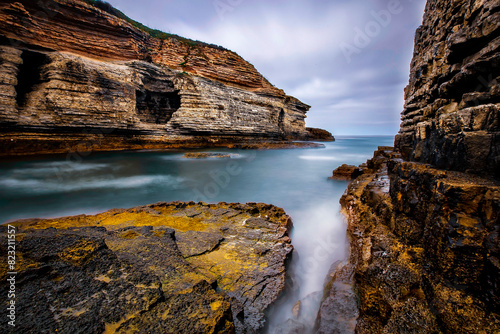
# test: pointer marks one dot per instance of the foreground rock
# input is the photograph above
(167, 267)
(424, 250)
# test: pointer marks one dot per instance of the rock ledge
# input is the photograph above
(167, 267)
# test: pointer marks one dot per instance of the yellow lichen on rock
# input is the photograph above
(165, 267)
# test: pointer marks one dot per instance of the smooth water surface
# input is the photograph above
(296, 180)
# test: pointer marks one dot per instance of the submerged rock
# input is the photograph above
(303, 316)
(274, 145)
(205, 155)
(167, 267)
(291, 326)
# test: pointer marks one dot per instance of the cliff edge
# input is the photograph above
(77, 77)
(424, 217)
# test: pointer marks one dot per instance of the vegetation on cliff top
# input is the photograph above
(155, 33)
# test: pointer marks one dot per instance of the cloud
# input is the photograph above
(266, 32)
(297, 46)
(319, 88)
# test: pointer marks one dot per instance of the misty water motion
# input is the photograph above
(293, 179)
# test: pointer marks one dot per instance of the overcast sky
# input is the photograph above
(349, 60)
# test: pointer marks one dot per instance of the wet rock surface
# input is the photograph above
(424, 244)
(346, 172)
(339, 306)
(168, 267)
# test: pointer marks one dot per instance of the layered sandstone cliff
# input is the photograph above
(424, 220)
(75, 76)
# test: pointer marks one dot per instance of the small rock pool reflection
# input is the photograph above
(296, 180)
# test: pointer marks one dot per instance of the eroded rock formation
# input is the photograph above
(346, 172)
(424, 250)
(451, 115)
(168, 267)
(424, 220)
(319, 134)
(74, 77)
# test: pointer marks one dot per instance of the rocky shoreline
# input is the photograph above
(170, 267)
(79, 147)
(424, 218)
(424, 245)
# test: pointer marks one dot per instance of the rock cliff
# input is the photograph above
(424, 219)
(451, 115)
(75, 77)
(162, 268)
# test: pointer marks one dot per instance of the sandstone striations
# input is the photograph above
(167, 267)
(77, 78)
(424, 219)
(452, 104)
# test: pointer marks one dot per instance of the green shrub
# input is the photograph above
(107, 7)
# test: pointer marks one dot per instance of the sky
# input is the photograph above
(348, 59)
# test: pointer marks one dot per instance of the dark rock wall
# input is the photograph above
(451, 117)
(424, 221)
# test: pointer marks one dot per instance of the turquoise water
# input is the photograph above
(296, 180)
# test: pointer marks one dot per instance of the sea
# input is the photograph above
(294, 179)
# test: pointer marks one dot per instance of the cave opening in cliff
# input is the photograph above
(157, 107)
(281, 123)
(29, 75)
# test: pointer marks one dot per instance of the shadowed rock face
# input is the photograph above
(442, 240)
(167, 267)
(424, 252)
(424, 227)
(452, 103)
(75, 78)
